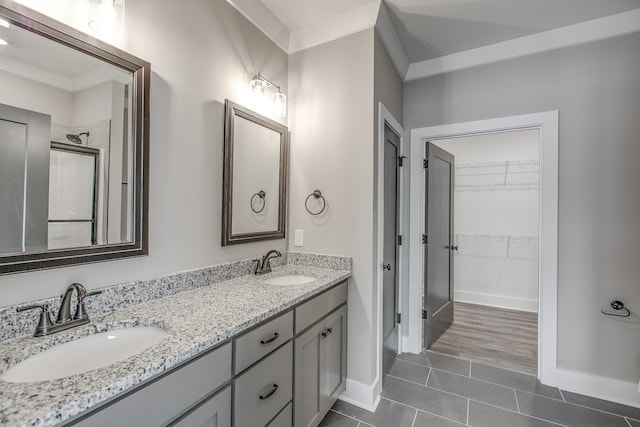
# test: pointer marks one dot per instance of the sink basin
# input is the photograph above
(289, 280)
(84, 354)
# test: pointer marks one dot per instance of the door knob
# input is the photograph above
(386, 267)
(454, 248)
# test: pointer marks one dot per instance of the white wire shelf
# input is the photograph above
(521, 174)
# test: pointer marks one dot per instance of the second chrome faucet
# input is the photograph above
(263, 265)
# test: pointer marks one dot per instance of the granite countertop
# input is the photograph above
(195, 320)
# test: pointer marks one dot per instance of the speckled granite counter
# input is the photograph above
(196, 320)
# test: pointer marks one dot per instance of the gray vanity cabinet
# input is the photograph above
(263, 384)
(320, 357)
(198, 390)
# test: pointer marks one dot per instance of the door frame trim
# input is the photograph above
(547, 123)
(385, 116)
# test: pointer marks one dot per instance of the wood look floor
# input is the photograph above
(498, 337)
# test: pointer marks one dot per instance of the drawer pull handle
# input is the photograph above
(270, 340)
(269, 393)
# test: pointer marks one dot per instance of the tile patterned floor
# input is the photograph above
(435, 390)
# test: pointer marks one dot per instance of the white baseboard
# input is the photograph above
(365, 396)
(614, 390)
(523, 304)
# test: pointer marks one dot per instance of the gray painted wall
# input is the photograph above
(596, 88)
(331, 125)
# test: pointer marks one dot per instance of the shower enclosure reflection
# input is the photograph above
(66, 152)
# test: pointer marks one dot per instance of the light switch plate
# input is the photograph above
(299, 238)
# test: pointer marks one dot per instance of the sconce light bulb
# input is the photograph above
(4, 23)
(3, 42)
(257, 84)
(105, 21)
(279, 100)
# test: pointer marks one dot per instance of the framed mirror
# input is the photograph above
(74, 142)
(254, 196)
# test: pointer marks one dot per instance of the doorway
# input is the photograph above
(495, 249)
(547, 122)
(390, 249)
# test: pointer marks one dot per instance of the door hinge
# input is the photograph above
(398, 318)
(399, 240)
(401, 161)
(425, 239)
(425, 164)
(424, 314)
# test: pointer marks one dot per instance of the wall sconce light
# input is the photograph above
(278, 99)
(105, 16)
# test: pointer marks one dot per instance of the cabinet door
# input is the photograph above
(307, 409)
(215, 412)
(334, 344)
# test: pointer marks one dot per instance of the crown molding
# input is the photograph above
(264, 20)
(350, 22)
(585, 32)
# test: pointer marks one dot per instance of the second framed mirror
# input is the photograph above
(254, 196)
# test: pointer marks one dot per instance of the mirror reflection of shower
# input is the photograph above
(76, 138)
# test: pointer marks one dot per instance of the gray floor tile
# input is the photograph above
(333, 419)
(603, 405)
(493, 394)
(513, 379)
(438, 361)
(428, 420)
(428, 399)
(481, 415)
(566, 413)
(633, 423)
(387, 413)
(409, 371)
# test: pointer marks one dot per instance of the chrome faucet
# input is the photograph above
(264, 266)
(64, 319)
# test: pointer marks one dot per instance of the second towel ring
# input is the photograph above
(317, 194)
(261, 194)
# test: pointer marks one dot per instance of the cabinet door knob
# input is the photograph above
(386, 267)
(270, 340)
(269, 393)
(329, 330)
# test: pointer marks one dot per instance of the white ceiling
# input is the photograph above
(37, 58)
(418, 31)
(434, 28)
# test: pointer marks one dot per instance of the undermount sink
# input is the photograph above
(289, 280)
(84, 354)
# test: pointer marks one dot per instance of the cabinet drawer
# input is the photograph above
(284, 418)
(310, 312)
(263, 390)
(152, 405)
(214, 412)
(261, 341)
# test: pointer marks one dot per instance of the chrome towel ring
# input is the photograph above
(261, 194)
(317, 194)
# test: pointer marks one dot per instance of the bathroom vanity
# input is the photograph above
(239, 352)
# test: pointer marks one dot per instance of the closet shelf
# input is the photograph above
(521, 174)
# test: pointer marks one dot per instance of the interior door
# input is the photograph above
(390, 253)
(438, 261)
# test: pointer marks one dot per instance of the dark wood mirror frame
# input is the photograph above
(233, 110)
(140, 70)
